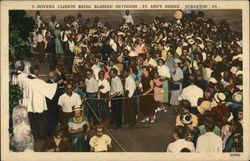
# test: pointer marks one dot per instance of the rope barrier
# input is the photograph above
(108, 99)
(106, 128)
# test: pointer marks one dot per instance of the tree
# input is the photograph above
(19, 28)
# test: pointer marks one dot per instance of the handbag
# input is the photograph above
(176, 86)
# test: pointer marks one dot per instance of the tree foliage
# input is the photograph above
(19, 28)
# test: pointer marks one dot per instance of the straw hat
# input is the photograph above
(237, 97)
(220, 97)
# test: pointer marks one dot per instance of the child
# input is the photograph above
(157, 91)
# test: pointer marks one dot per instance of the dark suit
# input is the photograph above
(53, 110)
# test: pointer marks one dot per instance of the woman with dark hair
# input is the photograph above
(180, 142)
(58, 142)
(79, 128)
(147, 99)
(235, 141)
(58, 44)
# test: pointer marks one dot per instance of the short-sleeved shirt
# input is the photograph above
(100, 143)
(67, 102)
(116, 85)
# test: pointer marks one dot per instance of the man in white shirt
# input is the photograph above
(129, 103)
(104, 88)
(52, 23)
(36, 103)
(91, 92)
(180, 143)
(100, 142)
(209, 142)
(27, 65)
(67, 101)
(128, 18)
(116, 93)
(192, 93)
(96, 68)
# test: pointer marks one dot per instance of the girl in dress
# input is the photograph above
(158, 95)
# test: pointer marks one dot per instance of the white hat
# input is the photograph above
(186, 118)
(220, 97)
(121, 34)
(213, 80)
(18, 64)
(239, 56)
(185, 44)
(191, 41)
(237, 97)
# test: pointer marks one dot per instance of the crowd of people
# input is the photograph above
(188, 64)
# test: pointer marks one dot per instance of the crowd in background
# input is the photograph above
(187, 64)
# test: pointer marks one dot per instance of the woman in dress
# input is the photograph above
(164, 73)
(79, 128)
(147, 98)
(58, 142)
(58, 44)
(177, 85)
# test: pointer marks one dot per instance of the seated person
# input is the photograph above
(185, 104)
(58, 142)
(100, 142)
(180, 142)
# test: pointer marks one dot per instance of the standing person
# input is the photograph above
(37, 107)
(128, 18)
(40, 46)
(58, 44)
(27, 65)
(66, 102)
(177, 85)
(53, 109)
(165, 76)
(180, 142)
(192, 93)
(52, 23)
(57, 142)
(91, 93)
(116, 92)
(185, 105)
(147, 99)
(158, 95)
(70, 51)
(209, 142)
(50, 50)
(38, 19)
(104, 89)
(130, 87)
(100, 142)
(78, 127)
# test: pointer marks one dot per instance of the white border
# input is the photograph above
(27, 5)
